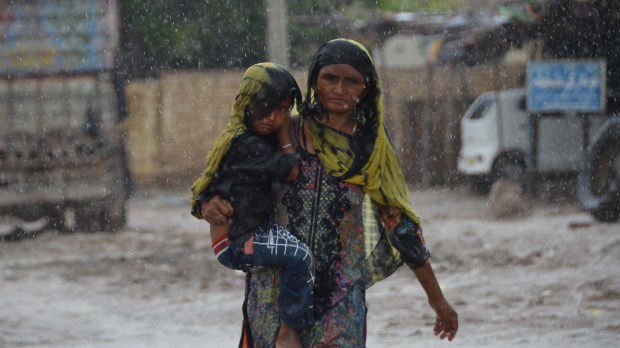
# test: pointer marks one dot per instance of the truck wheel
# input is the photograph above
(57, 218)
(512, 168)
(598, 182)
(114, 213)
(63, 218)
(481, 184)
(88, 216)
(108, 215)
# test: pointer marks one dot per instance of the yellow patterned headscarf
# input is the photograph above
(263, 87)
(368, 160)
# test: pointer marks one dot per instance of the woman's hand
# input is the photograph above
(216, 210)
(447, 323)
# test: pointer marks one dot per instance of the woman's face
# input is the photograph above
(275, 119)
(340, 87)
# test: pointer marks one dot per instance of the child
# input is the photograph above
(254, 150)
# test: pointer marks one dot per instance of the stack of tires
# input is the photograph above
(598, 186)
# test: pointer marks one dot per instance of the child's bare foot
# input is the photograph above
(287, 338)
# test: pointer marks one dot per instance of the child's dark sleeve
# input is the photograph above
(259, 157)
(220, 184)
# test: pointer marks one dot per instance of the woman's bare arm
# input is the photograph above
(446, 323)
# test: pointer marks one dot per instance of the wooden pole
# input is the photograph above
(277, 32)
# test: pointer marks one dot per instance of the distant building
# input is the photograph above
(405, 51)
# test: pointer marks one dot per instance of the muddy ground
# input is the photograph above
(550, 278)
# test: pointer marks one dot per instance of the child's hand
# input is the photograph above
(286, 121)
(283, 133)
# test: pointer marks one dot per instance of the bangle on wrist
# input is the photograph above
(285, 146)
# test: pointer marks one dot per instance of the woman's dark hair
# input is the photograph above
(366, 113)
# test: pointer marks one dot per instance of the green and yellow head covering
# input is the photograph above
(263, 87)
(367, 159)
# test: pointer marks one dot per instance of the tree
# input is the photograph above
(161, 35)
(187, 34)
(309, 27)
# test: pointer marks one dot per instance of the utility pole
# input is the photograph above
(277, 32)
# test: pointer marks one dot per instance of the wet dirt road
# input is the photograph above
(549, 279)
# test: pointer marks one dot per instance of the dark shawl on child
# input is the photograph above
(263, 87)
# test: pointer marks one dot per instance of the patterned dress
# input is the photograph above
(327, 215)
(351, 252)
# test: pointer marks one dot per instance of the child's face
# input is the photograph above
(274, 120)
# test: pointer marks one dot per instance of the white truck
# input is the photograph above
(496, 132)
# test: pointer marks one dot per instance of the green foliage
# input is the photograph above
(188, 34)
(417, 5)
(305, 40)
(305, 36)
(234, 35)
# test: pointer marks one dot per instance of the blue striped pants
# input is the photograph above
(275, 246)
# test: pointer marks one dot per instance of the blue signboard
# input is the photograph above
(556, 86)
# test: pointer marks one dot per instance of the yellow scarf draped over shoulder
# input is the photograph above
(258, 83)
(381, 177)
